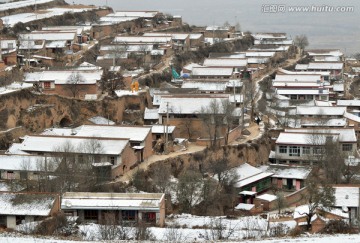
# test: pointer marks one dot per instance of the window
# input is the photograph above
(10, 175)
(306, 150)
(112, 160)
(3, 220)
(47, 85)
(294, 151)
(347, 147)
(23, 175)
(90, 214)
(318, 151)
(149, 217)
(128, 215)
(283, 149)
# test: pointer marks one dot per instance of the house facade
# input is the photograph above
(131, 208)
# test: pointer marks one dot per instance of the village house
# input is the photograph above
(319, 219)
(320, 116)
(325, 55)
(301, 146)
(288, 178)
(335, 68)
(352, 106)
(186, 112)
(180, 41)
(252, 181)
(325, 76)
(8, 51)
(140, 137)
(353, 121)
(56, 43)
(213, 86)
(213, 73)
(83, 32)
(75, 83)
(128, 208)
(117, 153)
(25, 167)
(219, 32)
(347, 199)
(19, 208)
(238, 64)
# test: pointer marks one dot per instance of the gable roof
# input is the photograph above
(225, 62)
(248, 174)
(212, 71)
(346, 196)
(288, 172)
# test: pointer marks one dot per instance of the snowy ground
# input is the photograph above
(14, 87)
(11, 20)
(308, 239)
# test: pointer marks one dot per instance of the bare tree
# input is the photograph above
(249, 97)
(280, 201)
(301, 41)
(212, 117)
(188, 190)
(320, 195)
(111, 81)
(74, 82)
(119, 52)
(161, 177)
(228, 109)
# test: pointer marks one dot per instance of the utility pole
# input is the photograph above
(28, 54)
(167, 128)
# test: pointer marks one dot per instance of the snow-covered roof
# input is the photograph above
(325, 66)
(352, 117)
(244, 206)
(262, 36)
(267, 197)
(284, 71)
(99, 120)
(212, 71)
(48, 36)
(302, 210)
(195, 36)
(27, 163)
(225, 62)
(187, 104)
(339, 87)
(326, 59)
(64, 77)
(273, 42)
(301, 66)
(248, 174)
(174, 36)
(205, 85)
(11, 20)
(111, 201)
(320, 110)
(138, 14)
(298, 138)
(343, 134)
(128, 48)
(56, 44)
(297, 78)
(21, 4)
(14, 87)
(31, 44)
(325, 52)
(142, 39)
(298, 84)
(26, 204)
(51, 143)
(257, 60)
(348, 102)
(159, 129)
(133, 133)
(217, 28)
(346, 196)
(319, 91)
(259, 54)
(151, 114)
(288, 172)
(79, 28)
(320, 122)
(190, 66)
(267, 49)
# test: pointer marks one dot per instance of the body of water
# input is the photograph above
(327, 23)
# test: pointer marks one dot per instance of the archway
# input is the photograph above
(65, 122)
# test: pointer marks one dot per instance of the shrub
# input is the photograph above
(336, 227)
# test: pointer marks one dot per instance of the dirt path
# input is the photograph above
(192, 148)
